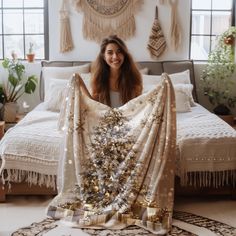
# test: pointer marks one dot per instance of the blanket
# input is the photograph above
(117, 164)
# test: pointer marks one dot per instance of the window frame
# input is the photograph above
(233, 9)
(45, 34)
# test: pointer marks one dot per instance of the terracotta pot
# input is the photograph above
(30, 57)
(10, 111)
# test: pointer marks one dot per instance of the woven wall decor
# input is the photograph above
(175, 30)
(156, 43)
(106, 17)
(66, 42)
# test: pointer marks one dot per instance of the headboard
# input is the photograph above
(155, 68)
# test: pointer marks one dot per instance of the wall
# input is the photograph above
(87, 50)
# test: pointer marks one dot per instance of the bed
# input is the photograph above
(206, 150)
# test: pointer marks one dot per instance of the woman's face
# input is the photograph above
(113, 56)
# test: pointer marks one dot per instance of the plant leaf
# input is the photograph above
(13, 80)
(31, 83)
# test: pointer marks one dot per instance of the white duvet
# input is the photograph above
(206, 149)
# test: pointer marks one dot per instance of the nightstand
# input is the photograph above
(228, 119)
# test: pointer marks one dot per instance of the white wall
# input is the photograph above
(87, 50)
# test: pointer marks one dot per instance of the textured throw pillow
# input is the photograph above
(150, 82)
(56, 91)
(55, 95)
(181, 77)
(63, 73)
(144, 71)
(183, 96)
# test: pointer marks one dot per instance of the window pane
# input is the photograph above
(201, 4)
(0, 23)
(214, 40)
(34, 21)
(221, 21)
(34, 3)
(200, 46)
(222, 5)
(12, 3)
(201, 22)
(13, 21)
(14, 43)
(38, 45)
(1, 51)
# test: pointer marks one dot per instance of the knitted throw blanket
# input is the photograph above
(117, 164)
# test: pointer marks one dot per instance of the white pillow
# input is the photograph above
(55, 96)
(183, 95)
(182, 102)
(144, 71)
(56, 91)
(64, 73)
(181, 77)
(86, 78)
(150, 82)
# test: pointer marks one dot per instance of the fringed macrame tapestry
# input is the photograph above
(66, 42)
(106, 17)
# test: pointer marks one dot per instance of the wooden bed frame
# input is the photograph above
(25, 189)
(155, 68)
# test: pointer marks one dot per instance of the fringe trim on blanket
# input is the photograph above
(30, 177)
(209, 179)
(105, 17)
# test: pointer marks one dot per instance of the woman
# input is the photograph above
(116, 79)
(117, 165)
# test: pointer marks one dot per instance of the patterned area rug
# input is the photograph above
(219, 228)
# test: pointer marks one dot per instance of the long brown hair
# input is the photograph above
(130, 80)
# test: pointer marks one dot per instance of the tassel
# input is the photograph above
(66, 42)
(175, 25)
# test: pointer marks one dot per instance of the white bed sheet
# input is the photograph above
(206, 148)
(30, 150)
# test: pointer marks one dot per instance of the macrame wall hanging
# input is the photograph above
(66, 42)
(106, 17)
(157, 43)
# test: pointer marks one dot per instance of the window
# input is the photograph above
(23, 22)
(209, 18)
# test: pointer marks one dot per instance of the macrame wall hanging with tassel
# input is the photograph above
(157, 43)
(106, 17)
(66, 42)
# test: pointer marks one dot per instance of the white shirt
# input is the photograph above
(115, 99)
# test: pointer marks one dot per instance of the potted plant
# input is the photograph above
(17, 84)
(30, 55)
(216, 78)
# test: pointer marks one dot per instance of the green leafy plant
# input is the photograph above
(216, 78)
(17, 83)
